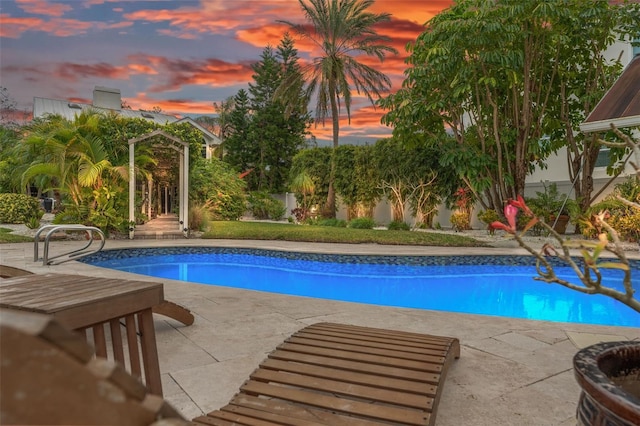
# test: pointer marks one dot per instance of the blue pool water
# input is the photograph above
(489, 285)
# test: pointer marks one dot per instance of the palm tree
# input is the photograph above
(342, 30)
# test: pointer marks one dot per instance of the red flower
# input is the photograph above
(511, 212)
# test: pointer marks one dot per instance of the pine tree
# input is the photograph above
(273, 135)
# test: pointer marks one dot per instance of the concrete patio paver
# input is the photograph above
(511, 371)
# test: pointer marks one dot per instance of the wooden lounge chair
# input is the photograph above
(325, 374)
(334, 374)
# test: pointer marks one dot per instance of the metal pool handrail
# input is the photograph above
(52, 229)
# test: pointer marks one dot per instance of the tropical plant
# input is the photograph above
(73, 160)
(342, 31)
(315, 164)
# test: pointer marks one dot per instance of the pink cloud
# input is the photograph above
(43, 7)
(170, 106)
(13, 27)
(71, 71)
(176, 73)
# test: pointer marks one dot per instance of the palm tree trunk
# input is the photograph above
(330, 208)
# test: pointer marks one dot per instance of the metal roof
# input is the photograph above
(69, 110)
(620, 105)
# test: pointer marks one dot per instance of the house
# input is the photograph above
(109, 100)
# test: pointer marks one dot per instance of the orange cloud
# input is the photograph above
(43, 7)
(170, 106)
(14, 27)
(411, 10)
(176, 73)
(188, 21)
(71, 71)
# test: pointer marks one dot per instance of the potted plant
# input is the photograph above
(552, 207)
(609, 374)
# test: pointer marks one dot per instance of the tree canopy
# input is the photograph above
(262, 134)
(511, 80)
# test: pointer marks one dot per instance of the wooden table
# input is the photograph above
(88, 303)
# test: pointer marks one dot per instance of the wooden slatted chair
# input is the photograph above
(333, 374)
(50, 376)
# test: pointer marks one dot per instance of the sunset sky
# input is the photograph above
(179, 55)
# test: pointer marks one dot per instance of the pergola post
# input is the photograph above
(184, 190)
(132, 189)
(180, 190)
(149, 198)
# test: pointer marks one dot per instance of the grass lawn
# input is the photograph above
(7, 237)
(326, 234)
(319, 234)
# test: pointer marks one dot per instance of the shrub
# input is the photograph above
(300, 214)
(398, 225)
(199, 218)
(216, 185)
(460, 221)
(488, 217)
(19, 208)
(33, 222)
(336, 223)
(264, 206)
(624, 219)
(362, 223)
(627, 225)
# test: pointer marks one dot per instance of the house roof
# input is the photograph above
(620, 105)
(69, 110)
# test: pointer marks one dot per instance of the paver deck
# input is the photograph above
(511, 371)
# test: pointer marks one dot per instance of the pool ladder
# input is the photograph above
(70, 255)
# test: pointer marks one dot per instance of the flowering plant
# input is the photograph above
(589, 273)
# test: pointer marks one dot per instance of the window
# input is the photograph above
(603, 158)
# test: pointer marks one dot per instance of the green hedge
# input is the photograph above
(19, 208)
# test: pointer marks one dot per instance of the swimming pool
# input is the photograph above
(488, 285)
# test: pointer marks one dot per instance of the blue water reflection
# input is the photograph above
(508, 291)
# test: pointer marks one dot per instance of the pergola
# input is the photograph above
(164, 140)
